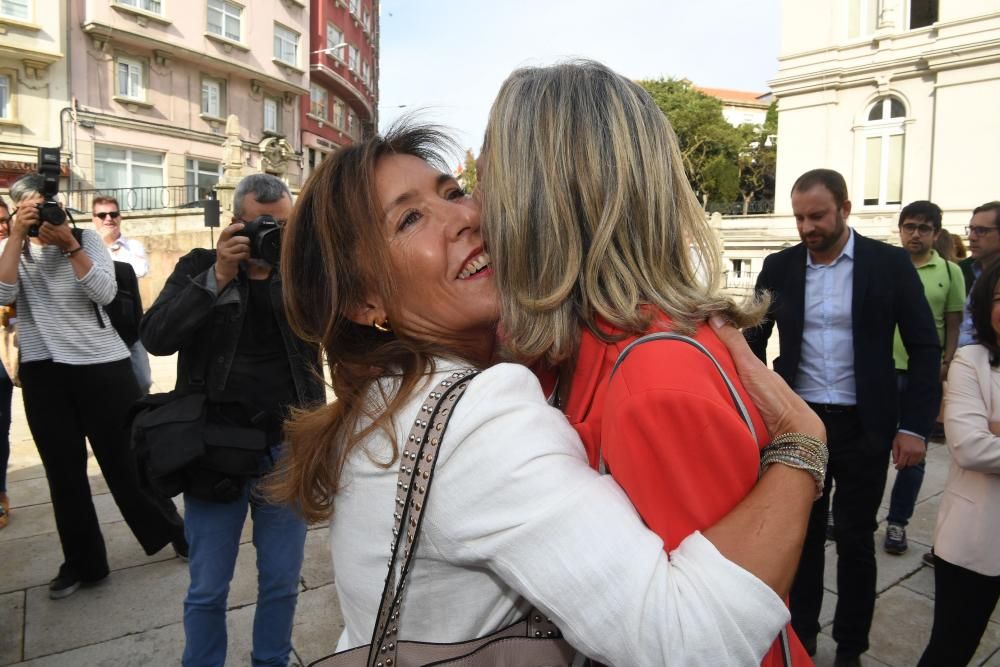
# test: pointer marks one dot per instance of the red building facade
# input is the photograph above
(343, 76)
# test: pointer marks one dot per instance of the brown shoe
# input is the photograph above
(4, 510)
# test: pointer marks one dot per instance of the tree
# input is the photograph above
(758, 159)
(467, 172)
(709, 145)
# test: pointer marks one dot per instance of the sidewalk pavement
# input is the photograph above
(134, 617)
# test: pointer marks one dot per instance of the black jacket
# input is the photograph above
(887, 292)
(970, 277)
(189, 318)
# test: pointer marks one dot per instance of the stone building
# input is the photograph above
(900, 96)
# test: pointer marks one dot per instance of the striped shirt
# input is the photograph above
(55, 311)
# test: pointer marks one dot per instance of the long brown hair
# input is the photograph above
(587, 212)
(334, 254)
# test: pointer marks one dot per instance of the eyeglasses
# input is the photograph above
(113, 214)
(910, 228)
(979, 230)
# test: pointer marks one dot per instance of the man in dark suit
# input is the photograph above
(984, 242)
(837, 299)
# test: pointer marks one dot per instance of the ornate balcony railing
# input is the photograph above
(140, 199)
(744, 279)
(757, 207)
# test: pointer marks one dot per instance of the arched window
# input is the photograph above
(883, 133)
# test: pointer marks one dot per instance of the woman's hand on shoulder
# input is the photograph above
(781, 408)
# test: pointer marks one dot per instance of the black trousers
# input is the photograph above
(65, 404)
(859, 465)
(963, 603)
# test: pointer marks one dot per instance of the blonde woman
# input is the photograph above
(383, 265)
(591, 223)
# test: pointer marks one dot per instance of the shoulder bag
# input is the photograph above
(531, 642)
(786, 651)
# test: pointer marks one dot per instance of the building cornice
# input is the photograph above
(358, 95)
(144, 126)
(103, 32)
(917, 63)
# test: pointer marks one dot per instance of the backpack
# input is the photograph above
(125, 310)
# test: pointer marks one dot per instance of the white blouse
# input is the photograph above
(516, 512)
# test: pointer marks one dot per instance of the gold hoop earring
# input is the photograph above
(382, 326)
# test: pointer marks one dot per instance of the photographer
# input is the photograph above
(77, 382)
(222, 310)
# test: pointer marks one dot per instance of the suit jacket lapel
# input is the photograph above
(796, 287)
(862, 270)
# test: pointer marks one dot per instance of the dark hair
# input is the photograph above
(990, 206)
(828, 178)
(922, 211)
(104, 199)
(334, 255)
(981, 306)
(266, 189)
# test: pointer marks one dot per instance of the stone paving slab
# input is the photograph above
(12, 622)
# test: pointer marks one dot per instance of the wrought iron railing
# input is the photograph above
(757, 207)
(743, 279)
(140, 199)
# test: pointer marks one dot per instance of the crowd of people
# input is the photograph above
(610, 451)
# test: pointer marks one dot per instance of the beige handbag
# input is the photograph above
(10, 353)
(532, 642)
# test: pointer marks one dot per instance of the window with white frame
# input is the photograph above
(366, 74)
(213, 97)
(272, 115)
(126, 168)
(338, 113)
(334, 36)
(862, 17)
(201, 177)
(353, 125)
(130, 79)
(355, 7)
(352, 58)
(319, 100)
(286, 45)
(366, 21)
(6, 96)
(152, 6)
(883, 134)
(16, 9)
(225, 19)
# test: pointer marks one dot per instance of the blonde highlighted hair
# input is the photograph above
(588, 214)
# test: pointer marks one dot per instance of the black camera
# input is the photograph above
(49, 210)
(264, 233)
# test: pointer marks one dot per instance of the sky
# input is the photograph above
(446, 59)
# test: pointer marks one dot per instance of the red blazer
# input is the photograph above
(670, 434)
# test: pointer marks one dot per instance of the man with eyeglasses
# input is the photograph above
(984, 240)
(107, 218)
(944, 287)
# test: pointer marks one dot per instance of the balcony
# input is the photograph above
(139, 199)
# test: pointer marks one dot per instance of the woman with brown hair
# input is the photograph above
(383, 265)
(591, 223)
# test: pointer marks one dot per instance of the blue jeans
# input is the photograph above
(906, 488)
(213, 535)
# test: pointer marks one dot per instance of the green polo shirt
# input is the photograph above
(944, 288)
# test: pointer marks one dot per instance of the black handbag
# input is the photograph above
(179, 447)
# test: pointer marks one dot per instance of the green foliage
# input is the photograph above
(710, 146)
(467, 172)
(758, 159)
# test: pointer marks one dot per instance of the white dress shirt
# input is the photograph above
(826, 367)
(131, 251)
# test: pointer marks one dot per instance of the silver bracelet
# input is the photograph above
(800, 451)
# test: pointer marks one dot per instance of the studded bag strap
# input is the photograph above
(416, 467)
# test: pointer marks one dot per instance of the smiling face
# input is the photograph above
(110, 227)
(444, 289)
